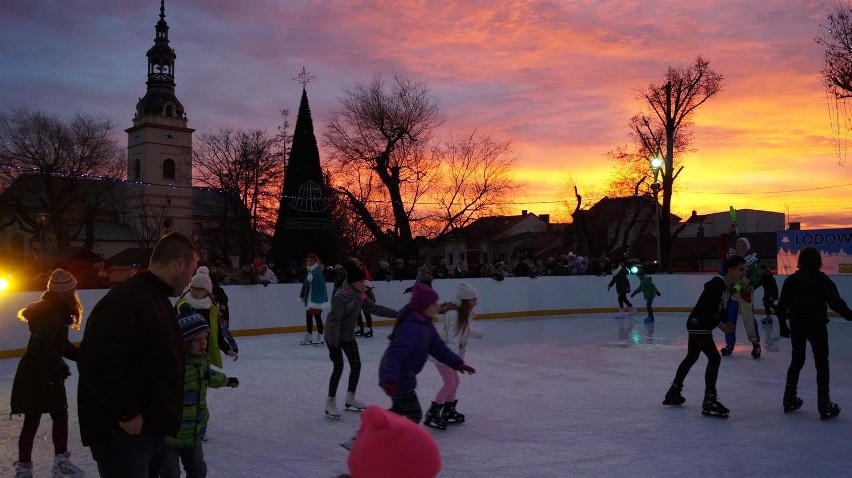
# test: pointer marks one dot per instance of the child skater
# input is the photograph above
(314, 295)
(455, 329)
(185, 447)
(414, 338)
(622, 288)
(200, 297)
(805, 297)
(708, 313)
(346, 307)
(770, 292)
(649, 291)
(741, 299)
(39, 384)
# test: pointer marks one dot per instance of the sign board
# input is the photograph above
(835, 246)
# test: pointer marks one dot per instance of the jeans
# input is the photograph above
(193, 462)
(815, 332)
(129, 456)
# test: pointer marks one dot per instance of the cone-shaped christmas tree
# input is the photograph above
(304, 217)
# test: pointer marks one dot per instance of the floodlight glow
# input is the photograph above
(4, 284)
(656, 163)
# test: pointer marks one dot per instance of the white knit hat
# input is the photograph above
(61, 281)
(202, 281)
(744, 241)
(203, 270)
(466, 291)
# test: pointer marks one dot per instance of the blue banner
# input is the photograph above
(835, 246)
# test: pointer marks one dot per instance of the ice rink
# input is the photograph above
(555, 396)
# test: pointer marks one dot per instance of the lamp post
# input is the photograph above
(656, 164)
(41, 218)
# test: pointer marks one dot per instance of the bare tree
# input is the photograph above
(377, 138)
(249, 167)
(837, 72)
(664, 127)
(67, 167)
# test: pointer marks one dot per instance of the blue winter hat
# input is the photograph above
(192, 325)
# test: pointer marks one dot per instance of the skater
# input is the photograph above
(805, 297)
(226, 339)
(368, 282)
(346, 306)
(455, 329)
(131, 365)
(649, 291)
(708, 313)
(390, 446)
(622, 288)
(185, 446)
(741, 298)
(199, 296)
(39, 384)
(414, 338)
(314, 295)
(770, 292)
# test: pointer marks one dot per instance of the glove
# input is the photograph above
(233, 382)
(234, 355)
(389, 388)
(726, 327)
(465, 368)
(659, 294)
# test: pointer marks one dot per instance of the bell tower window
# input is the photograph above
(168, 169)
(137, 170)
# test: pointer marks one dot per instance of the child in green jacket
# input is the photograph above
(186, 445)
(649, 291)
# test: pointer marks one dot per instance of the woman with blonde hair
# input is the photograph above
(39, 385)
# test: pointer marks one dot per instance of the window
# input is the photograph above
(137, 170)
(167, 223)
(168, 169)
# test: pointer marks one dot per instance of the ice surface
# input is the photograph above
(558, 396)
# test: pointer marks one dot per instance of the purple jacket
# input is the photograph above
(414, 339)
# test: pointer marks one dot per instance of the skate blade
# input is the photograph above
(673, 404)
(352, 409)
(714, 414)
(332, 417)
(348, 444)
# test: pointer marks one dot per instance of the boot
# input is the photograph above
(827, 408)
(354, 403)
(712, 407)
(307, 340)
(755, 350)
(632, 311)
(450, 415)
(433, 417)
(319, 340)
(368, 332)
(63, 468)
(360, 332)
(331, 410)
(791, 401)
(766, 320)
(23, 469)
(620, 314)
(673, 396)
(726, 350)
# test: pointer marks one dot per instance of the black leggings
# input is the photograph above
(28, 433)
(408, 405)
(698, 344)
(367, 317)
(817, 335)
(622, 301)
(350, 348)
(309, 321)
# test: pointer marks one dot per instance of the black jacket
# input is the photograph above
(806, 296)
(131, 361)
(710, 309)
(39, 385)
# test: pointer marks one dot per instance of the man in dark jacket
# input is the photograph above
(709, 312)
(131, 365)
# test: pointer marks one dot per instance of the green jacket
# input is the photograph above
(194, 417)
(647, 287)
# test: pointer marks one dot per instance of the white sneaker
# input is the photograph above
(23, 470)
(319, 340)
(307, 340)
(354, 403)
(331, 410)
(620, 314)
(63, 468)
(632, 311)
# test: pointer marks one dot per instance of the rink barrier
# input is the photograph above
(276, 309)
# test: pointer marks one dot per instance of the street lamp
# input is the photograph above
(656, 164)
(41, 218)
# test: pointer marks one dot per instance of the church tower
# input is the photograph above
(159, 149)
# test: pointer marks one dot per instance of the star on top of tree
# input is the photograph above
(304, 77)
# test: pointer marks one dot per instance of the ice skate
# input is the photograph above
(755, 350)
(368, 332)
(766, 320)
(353, 404)
(827, 408)
(727, 350)
(320, 340)
(359, 332)
(792, 403)
(433, 417)
(673, 396)
(620, 314)
(23, 470)
(632, 311)
(307, 340)
(63, 468)
(648, 320)
(331, 410)
(712, 408)
(450, 415)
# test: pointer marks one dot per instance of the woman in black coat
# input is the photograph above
(39, 385)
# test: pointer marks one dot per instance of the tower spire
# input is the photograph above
(160, 96)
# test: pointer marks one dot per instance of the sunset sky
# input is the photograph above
(557, 78)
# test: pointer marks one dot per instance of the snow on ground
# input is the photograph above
(575, 395)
